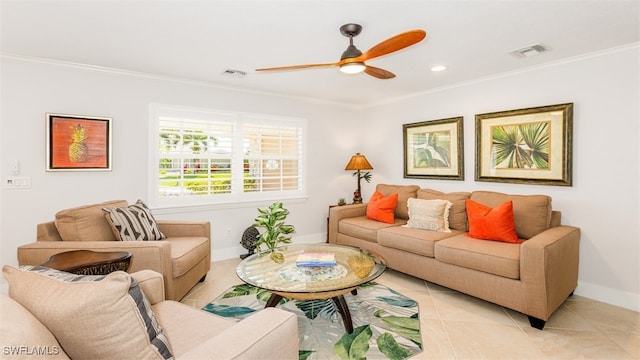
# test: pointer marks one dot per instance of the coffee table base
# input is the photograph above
(336, 296)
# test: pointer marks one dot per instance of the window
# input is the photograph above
(214, 157)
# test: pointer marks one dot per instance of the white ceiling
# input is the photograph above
(199, 40)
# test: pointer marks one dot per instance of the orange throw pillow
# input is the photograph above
(382, 208)
(492, 223)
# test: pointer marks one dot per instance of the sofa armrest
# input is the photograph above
(47, 232)
(270, 333)
(151, 284)
(185, 228)
(549, 268)
(151, 255)
(338, 213)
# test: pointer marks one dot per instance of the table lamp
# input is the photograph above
(359, 162)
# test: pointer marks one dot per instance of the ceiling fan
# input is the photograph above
(352, 59)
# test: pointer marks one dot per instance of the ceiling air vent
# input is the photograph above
(529, 51)
(234, 73)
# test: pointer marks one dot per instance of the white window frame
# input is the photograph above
(236, 198)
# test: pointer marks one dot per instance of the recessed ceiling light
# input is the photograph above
(438, 68)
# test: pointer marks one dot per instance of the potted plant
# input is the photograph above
(275, 230)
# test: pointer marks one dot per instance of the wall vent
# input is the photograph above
(234, 73)
(529, 51)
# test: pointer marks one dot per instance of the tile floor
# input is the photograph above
(457, 326)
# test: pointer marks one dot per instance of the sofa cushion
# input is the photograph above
(363, 228)
(86, 222)
(417, 241)
(22, 332)
(457, 213)
(404, 193)
(494, 257)
(429, 214)
(187, 326)
(93, 317)
(532, 213)
(133, 223)
(382, 208)
(487, 223)
(187, 252)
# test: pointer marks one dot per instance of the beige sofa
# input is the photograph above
(183, 258)
(533, 277)
(191, 333)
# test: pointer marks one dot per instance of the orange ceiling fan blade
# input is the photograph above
(294, 67)
(379, 73)
(352, 57)
(392, 44)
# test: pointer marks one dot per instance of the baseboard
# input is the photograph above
(607, 295)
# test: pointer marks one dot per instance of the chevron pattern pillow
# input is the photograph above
(133, 223)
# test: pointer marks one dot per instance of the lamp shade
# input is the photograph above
(358, 162)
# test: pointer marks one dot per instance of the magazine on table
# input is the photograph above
(312, 259)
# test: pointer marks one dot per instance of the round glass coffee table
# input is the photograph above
(353, 267)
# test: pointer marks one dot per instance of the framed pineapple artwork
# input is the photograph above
(78, 143)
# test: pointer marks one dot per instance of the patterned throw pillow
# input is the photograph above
(133, 223)
(429, 214)
(93, 317)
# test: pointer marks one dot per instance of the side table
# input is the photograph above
(87, 262)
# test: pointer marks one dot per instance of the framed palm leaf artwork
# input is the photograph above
(434, 149)
(527, 146)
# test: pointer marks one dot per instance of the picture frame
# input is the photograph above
(434, 149)
(526, 146)
(78, 143)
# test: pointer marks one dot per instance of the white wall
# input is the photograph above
(31, 89)
(603, 201)
(604, 198)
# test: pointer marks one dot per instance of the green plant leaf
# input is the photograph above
(304, 354)
(311, 308)
(272, 220)
(354, 346)
(398, 300)
(391, 349)
(241, 290)
(228, 311)
(407, 327)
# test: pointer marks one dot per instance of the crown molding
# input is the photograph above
(158, 77)
(360, 106)
(595, 54)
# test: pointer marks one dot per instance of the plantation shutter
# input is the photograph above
(195, 156)
(216, 157)
(273, 157)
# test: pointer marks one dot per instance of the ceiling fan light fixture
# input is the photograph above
(352, 67)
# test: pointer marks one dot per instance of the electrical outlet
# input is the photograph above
(228, 232)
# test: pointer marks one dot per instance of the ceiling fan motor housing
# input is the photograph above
(350, 30)
(351, 52)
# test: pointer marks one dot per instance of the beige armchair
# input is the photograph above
(183, 258)
(191, 333)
